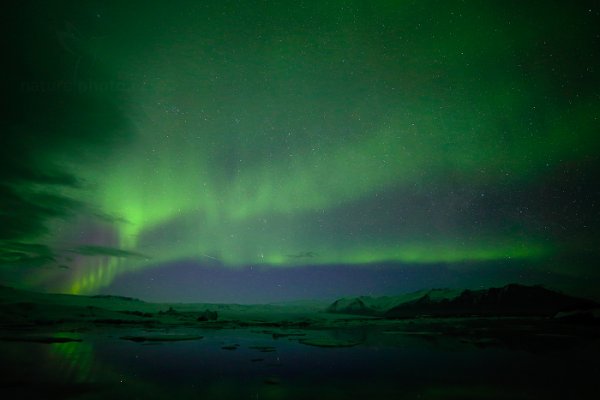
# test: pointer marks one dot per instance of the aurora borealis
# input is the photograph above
(412, 142)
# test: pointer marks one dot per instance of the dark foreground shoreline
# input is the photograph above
(76, 347)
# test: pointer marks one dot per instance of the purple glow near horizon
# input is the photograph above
(192, 281)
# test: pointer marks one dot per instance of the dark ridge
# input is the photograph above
(510, 300)
(108, 296)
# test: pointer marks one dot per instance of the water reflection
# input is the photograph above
(262, 367)
(74, 361)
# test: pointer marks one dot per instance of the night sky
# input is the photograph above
(250, 151)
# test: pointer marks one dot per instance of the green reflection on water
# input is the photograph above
(73, 361)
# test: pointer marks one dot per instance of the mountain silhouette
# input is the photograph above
(509, 300)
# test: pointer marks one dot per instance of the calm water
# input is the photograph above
(413, 367)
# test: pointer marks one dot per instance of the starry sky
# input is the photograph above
(251, 151)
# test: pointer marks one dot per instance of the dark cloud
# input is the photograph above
(25, 254)
(90, 250)
(24, 212)
(59, 110)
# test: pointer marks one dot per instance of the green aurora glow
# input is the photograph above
(354, 132)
